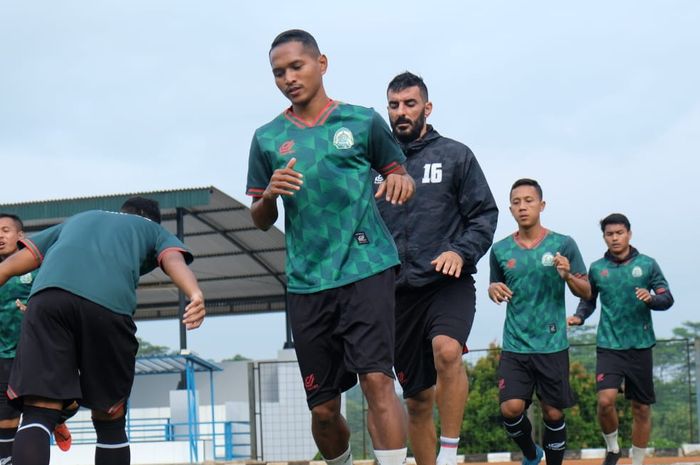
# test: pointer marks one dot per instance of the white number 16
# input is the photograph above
(432, 173)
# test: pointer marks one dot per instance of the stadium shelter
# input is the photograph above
(240, 268)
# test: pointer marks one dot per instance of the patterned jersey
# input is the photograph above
(536, 314)
(100, 256)
(625, 321)
(333, 231)
(17, 287)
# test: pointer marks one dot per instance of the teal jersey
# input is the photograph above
(536, 314)
(17, 287)
(100, 256)
(625, 321)
(333, 231)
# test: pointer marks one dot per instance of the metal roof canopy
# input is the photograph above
(173, 364)
(240, 268)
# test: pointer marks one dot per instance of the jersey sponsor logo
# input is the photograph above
(548, 259)
(310, 382)
(361, 238)
(511, 263)
(378, 179)
(637, 272)
(604, 273)
(343, 139)
(287, 148)
(25, 279)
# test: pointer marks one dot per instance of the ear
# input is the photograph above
(323, 63)
(20, 235)
(428, 109)
(542, 205)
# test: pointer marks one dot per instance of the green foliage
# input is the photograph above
(147, 349)
(236, 358)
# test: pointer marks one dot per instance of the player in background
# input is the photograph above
(441, 235)
(630, 286)
(529, 271)
(78, 338)
(318, 155)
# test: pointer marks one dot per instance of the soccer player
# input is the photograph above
(630, 285)
(529, 270)
(441, 235)
(317, 155)
(78, 332)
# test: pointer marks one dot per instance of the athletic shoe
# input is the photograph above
(539, 453)
(61, 434)
(611, 458)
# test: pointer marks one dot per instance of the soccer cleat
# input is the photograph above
(539, 453)
(611, 458)
(62, 436)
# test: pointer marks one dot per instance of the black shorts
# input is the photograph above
(74, 349)
(633, 366)
(7, 410)
(342, 332)
(444, 308)
(546, 374)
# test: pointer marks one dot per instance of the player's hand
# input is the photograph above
(499, 292)
(643, 295)
(195, 311)
(574, 320)
(449, 263)
(284, 181)
(398, 188)
(20, 305)
(563, 266)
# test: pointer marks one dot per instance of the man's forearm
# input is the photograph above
(264, 213)
(579, 286)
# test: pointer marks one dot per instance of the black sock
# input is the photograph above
(32, 440)
(7, 437)
(554, 439)
(520, 430)
(112, 446)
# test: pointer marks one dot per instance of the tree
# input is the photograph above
(237, 358)
(147, 349)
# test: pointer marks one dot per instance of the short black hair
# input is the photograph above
(615, 218)
(297, 35)
(406, 80)
(18, 221)
(527, 182)
(148, 208)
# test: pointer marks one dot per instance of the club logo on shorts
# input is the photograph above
(343, 139)
(600, 377)
(637, 272)
(379, 179)
(548, 259)
(310, 382)
(26, 278)
(501, 384)
(287, 148)
(401, 376)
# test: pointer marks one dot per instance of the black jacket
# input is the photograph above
(452, 209)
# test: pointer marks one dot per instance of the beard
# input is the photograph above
(412, 133)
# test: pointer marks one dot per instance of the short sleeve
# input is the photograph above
(259, 170)
(574, 255)
(657, 280)
(384, 152)
(496, 273)
(165, 242)
(41, 242)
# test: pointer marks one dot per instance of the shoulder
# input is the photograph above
(274, 125)
(506, 242)
(455, 147)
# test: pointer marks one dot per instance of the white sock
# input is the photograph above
(638, 455)
(448, 451)
(391, 456)
(343, 459)
(611, 442)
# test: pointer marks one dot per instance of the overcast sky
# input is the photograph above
(598, 100)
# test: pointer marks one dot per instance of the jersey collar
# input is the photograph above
(318, 121)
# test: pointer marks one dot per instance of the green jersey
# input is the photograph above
(17, 287)
(625, 321)
(100, 256)
(334, 233)
(536, 314)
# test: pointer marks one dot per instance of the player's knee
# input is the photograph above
(113, 415)
(606, 403)
(326, 413)
(419, 407)
(447, 353)
(512, 408)
(551, 414)
(640, 411)
(375, 385)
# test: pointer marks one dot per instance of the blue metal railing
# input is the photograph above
(229, 438)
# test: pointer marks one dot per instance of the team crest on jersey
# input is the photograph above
(26, 278)
(637, 272)
(343, 139)
(548, 259)
(379, 179)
